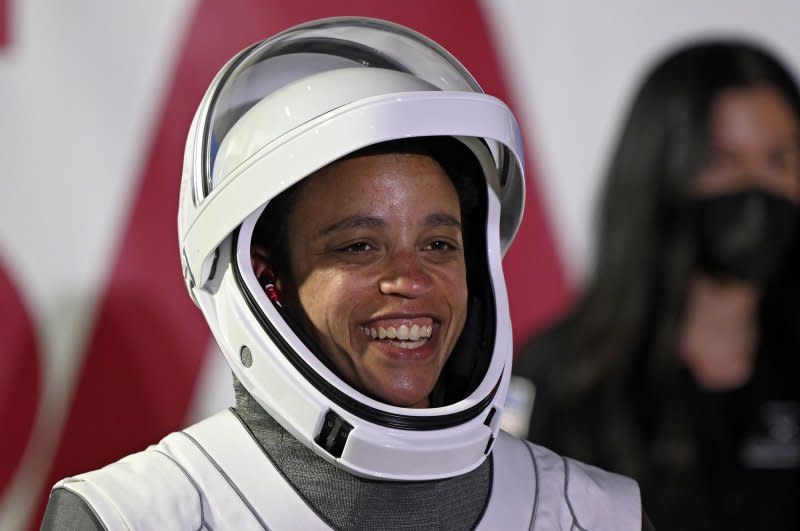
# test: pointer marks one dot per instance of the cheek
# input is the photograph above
(328, 297)
(458, 294)
(314, 295)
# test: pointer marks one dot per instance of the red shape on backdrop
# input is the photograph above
(5, 24)
(20, 383)
(149, 341)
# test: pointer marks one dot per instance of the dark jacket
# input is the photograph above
(705, 461)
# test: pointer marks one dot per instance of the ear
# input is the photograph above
(259, 259)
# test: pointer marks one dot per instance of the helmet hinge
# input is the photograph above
(333, 435)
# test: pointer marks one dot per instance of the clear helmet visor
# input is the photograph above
(306, 51)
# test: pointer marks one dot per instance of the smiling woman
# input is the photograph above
(371, 255)
(382, 251)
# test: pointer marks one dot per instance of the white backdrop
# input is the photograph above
(84, 83)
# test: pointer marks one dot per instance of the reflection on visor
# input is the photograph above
(321, 46)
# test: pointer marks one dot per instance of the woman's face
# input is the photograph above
(377, 262)
(753, 143)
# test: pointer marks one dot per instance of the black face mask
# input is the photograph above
(742, 235)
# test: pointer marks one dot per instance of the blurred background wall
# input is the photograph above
(101, 351)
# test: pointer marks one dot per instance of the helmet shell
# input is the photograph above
(277, 112)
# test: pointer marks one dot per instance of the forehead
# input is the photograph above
(740, 113)
(407, 180)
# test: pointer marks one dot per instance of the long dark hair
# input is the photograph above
(622, 332)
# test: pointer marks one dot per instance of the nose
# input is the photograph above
(405, 276)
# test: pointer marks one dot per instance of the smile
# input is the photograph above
(404, 336)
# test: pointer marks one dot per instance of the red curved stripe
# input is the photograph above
(20, 382)
(5, 21)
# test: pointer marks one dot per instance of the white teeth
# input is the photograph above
(409, 345)
(404, 333)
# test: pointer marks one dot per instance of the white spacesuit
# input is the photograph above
(305, 449)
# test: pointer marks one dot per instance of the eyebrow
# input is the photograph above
(352, 222)
(441, 218)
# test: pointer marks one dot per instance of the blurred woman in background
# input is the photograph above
(678, 365)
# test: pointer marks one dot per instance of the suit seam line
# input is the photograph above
(192, 481)
(228, 480)
(535, 463)
(575, 521)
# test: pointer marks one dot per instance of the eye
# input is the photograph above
(357, 247)
(719, 159)
(442, 245)
(782, 159)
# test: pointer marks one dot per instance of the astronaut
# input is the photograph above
(347, 196)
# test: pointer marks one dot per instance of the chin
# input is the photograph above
(728, 381)
(404, 396)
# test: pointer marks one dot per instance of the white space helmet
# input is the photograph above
(277, 112)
